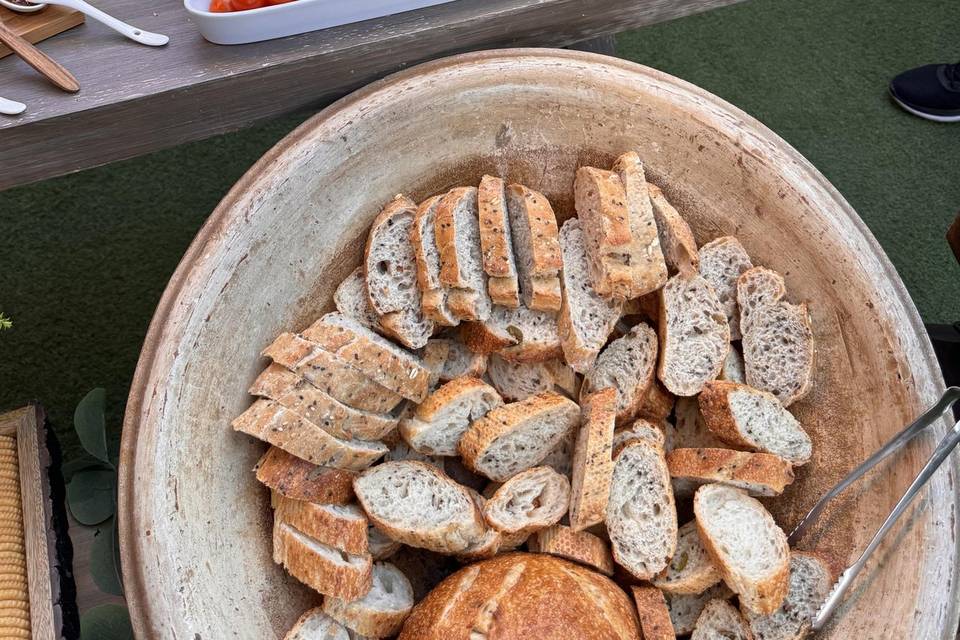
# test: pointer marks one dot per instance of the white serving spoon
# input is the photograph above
(135, 34)
(11, 107)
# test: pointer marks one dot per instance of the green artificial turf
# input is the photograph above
(84, 258)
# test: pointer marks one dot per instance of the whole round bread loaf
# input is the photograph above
(523, 595)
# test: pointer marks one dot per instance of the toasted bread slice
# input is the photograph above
(381, 612)
(593, 460)
(685, 609)
(323, 568)
(351, 299)
(315, 624)
(720, 620)
(746, 545)
(461, 259)
(496, 243)
(649, 270)
(628, 365)
(531, 500)
(298, 479)
(536, 247)
(811, 578)
(653, 613)
(676, 239)
(722, 261)
(423, 239)
(517, 436)
(441, 420)
(691, 570)
(340, 526)
(759, 474)
(518, 335)
(581, 547)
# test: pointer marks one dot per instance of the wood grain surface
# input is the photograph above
(41, 62)
(35, 27)
(139, 99)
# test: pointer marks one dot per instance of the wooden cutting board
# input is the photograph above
(35, 27)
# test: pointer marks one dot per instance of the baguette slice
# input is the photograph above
(268, 421)
(381, 612)
(307, 401)
(757, 288)
(298, 479)
(691, 571)
(641, 514)
(658, 403)
(641, 430)
(441, 420)
(323, 568)
(628, 365)
(520, 380)
(778, 351)
(340, 526)
(316, 625)
(518, 335)
(560, 458)
(351, 299)
(685, 609)
(759, 474)
(721, 263)
(372, 354)
(653, 613)
(517, 436)
(423, 239)
(720, 620)
(380, 544)
(755, 420)
(495, 241)
(536, 246)
(402, 451)
(565, 379)
(418, 505)
(487, 546)
(586, 319)
(733, 367)
(676, 239)
(694, 335)
(690, 428)
(746, 545)
(531, 500)
(461, 260)
(331, 373)
(593, 460)
(811, 578)
(457, 360)
(581, 547)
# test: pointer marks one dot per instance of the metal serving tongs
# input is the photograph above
(943, 450)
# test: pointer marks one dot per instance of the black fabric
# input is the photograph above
(932, 88)
(61, 527)
(946, 344)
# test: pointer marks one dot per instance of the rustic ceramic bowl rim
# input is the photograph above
(136, 590)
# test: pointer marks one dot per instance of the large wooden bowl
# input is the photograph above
(195, 525)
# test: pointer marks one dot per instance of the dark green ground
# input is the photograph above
(84, 258)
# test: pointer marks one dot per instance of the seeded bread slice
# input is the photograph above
(316, 625)
(531, 500)
(400, 450)
(653, 613)
(380, 544)
(685, 609)
(461, 259)
(593, 460)
(433, 295)
(351, 299)
(341, 526)
(439, 421)
(746, 545)
(694, 335)
(298, 479)
(323, 568)
(381, 612)
(759, 474)
(536, 247)
(518, 335)
(811, 578)
(641, 430)
(720, 620)
(676, 239)
(270, 422)
(517, 436)
(586, 319)
(690, 429)
(579, 546)
(721, 263)
(560, 458)
(641, 515)
(757, 288)
(658, 403)
(627, 365)
(496, 243)
(456, 360)
(372, 354)
(733, 367)
(418, 505)
(691, 570)
(752, 419)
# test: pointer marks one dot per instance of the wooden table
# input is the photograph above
(137, 99)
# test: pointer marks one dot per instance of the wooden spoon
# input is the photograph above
(40, 61)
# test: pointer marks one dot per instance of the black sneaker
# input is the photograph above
(931, 91)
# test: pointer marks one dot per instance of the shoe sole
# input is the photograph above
(921, 114)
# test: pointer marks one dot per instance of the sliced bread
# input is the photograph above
(746, 545)
(586, 319)
(343, 526)
(381, 612)
(733, 367)
(694, 335)
(270, 422)
(641, 430)
(641, 515)
(461, 259)
(323, 568)
(458, 360)
(560, 458)
(518, 335)
(381, 545)
(759, 474)
(433, 295)
(536, 247)
(518, 436)
(298, 479)
(496, 243)
(685, 609)
(627, 365)
(758, 287)
(746, 417)
(420, 506)
(316, 625)
(565, 379)
(691, 570)
(690, 429)
(439, 421)
(676, 239)
(372, 354)
(531, 500)
(811, 578)
(593, 460)
(658, 403)
(722, 261)
(400, 450)
(351, 299)
(720, 620)
(653, 613)
(519, 380)
(581, 547)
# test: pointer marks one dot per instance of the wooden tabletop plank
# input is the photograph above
(138, 99)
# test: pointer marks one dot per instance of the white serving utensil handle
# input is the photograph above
(11, 107)
(135, 34)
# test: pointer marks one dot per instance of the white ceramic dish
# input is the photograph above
(299, 16)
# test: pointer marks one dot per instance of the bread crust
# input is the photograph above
(323, 525)
(653, 613)
(451, 272)
(581, 547)
(676, 239)
(364, 618)
(298, 479)
(556, 487)
(593, 460)
(495, 242)
(539, 216)
(694, 579)
(481, 339)
(433, 297)
(318, 572)
(427, 412)
(760, 474)
(658, 403)
(648, 269)
(601, 204)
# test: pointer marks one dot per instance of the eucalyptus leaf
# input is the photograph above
(91, 496)
(104, 563)
(106, 622)
(72, 467)
(90, 424)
